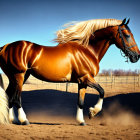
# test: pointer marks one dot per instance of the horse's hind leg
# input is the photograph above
(10, 92)
(14, 93)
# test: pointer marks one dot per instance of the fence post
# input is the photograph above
(111, 79)
(66, 86)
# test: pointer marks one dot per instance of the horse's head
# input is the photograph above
(124, 40)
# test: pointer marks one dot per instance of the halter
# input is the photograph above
(126, 48)
(123, 42)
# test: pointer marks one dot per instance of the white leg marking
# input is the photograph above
(21, 115)
(99, 104)
(79, 116)
(97, 108)
(12, 117)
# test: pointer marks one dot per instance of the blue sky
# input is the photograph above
(38, 20)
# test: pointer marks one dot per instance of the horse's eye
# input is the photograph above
(127, 35)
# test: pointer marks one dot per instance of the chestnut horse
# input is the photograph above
(75, 59)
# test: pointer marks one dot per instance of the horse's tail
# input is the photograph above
(4, 110)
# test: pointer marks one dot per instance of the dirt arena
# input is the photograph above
(52, 112)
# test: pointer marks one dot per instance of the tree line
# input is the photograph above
(119, 72)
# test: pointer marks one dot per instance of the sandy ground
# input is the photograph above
(52, 116)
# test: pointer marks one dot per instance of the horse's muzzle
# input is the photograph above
(134, 58)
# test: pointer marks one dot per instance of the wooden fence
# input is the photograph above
(119, 83)
(109, 83)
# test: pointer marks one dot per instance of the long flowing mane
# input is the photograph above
(80, 32)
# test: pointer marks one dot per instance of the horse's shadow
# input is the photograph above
(60, 103)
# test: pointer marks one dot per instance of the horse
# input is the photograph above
(76, 58)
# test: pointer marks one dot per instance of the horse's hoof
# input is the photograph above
(15, 122)
(92, 112)
(25, 122)
(91, 115)
(83, 124)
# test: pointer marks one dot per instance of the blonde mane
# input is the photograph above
(80, 32)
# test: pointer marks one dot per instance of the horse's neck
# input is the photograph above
(99, 46)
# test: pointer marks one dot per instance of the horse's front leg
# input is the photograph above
(98, 107)
(81, 96)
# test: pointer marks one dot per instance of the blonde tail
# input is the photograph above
(4, 110)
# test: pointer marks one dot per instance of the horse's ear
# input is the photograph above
(127, 21)
(123, 22)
